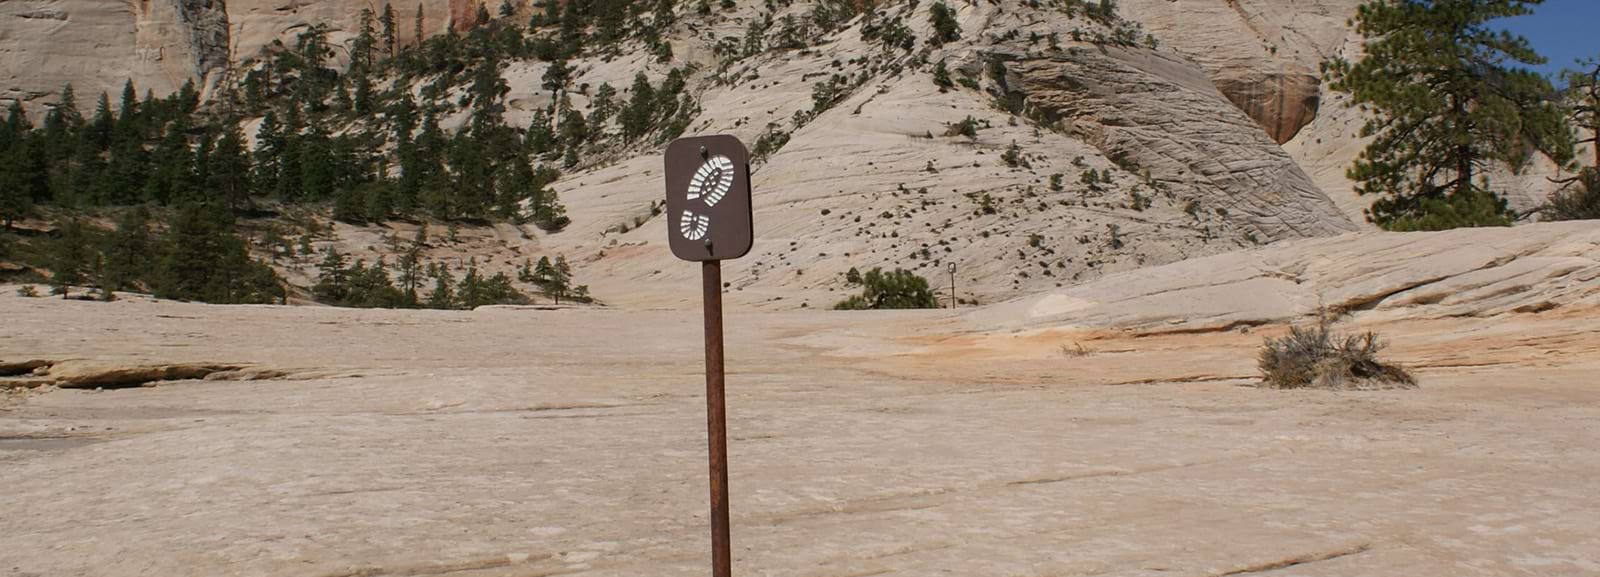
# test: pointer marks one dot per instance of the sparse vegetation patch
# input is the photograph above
(1315, 357)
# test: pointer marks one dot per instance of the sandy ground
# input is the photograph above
(537, 442)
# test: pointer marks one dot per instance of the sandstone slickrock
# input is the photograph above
(24, 383)
(89, 374)
(1375, 275)
(12, 368)
(1157, 113)
(877, 180)
(1264, 55)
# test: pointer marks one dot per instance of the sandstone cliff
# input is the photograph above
(97, 45)
(1097, 145)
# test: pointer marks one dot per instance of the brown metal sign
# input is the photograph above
(708, 198)
(708, 207)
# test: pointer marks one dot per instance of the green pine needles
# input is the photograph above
(1449, 97)
(900, 289)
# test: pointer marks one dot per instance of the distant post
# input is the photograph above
(708, 200)
(951, 266)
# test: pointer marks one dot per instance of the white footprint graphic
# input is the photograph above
(694, 227)
(712, 181)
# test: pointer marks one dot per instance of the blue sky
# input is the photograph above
(1561, 30)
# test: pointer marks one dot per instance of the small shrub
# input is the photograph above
(967, 127)
(1315, 357)
(1580, 202)
(28, 291)
(1013, 155)
(941, 77)
(1075, 349)
(901, 289)
(945, 27)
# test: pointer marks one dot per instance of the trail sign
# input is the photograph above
(708, 198)
(710, 220)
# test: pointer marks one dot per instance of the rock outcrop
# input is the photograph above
(97, 45)
(1156, 113)
(1264, 55)
(1459, 273)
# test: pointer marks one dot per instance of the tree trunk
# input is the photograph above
(1463, 149)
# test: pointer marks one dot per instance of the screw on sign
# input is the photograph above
(708, 196)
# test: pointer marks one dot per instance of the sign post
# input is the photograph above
(952, 268)
(708, 200)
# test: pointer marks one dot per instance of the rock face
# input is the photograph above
(1264, 55)
(256, 24)
(1121, 157)
(880, 180)
(1156, 113)
(84, 374)
(1377, 275)
(97, 45)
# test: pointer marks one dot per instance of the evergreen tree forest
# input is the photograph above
(361, 138)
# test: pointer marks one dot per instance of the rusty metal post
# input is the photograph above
(952, 268)
(716, 421)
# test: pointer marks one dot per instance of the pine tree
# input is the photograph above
(552, 12)
(556, 78)
(541, 138)
(101, 128)
(24, 166)
(1583, 90)
(603, 106)
(487, 91)
(173, 166)
(543, 271)
(900, 289)
(410, 266)
(228, 168)
(664, 17)
(443, 294)
(559, 278)
(941, 77)
(574, 130)
(548, 212)
(638, 115)
(363, 49)
(1579, 197)
(70, 256)
(391, 41)
(470, 294)
(417, 33)
(1450, 96)
(128, 123)
(268, 155)
(204, 260)
(319, 171)
(129, 252)
(572, 26)
(945, 27)
(513, 185)
(474, 178)
(62, 125)
(333, 277)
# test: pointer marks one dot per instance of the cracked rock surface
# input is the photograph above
(1459, 273)
(511, 442)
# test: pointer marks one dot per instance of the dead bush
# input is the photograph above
(1315, 357)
